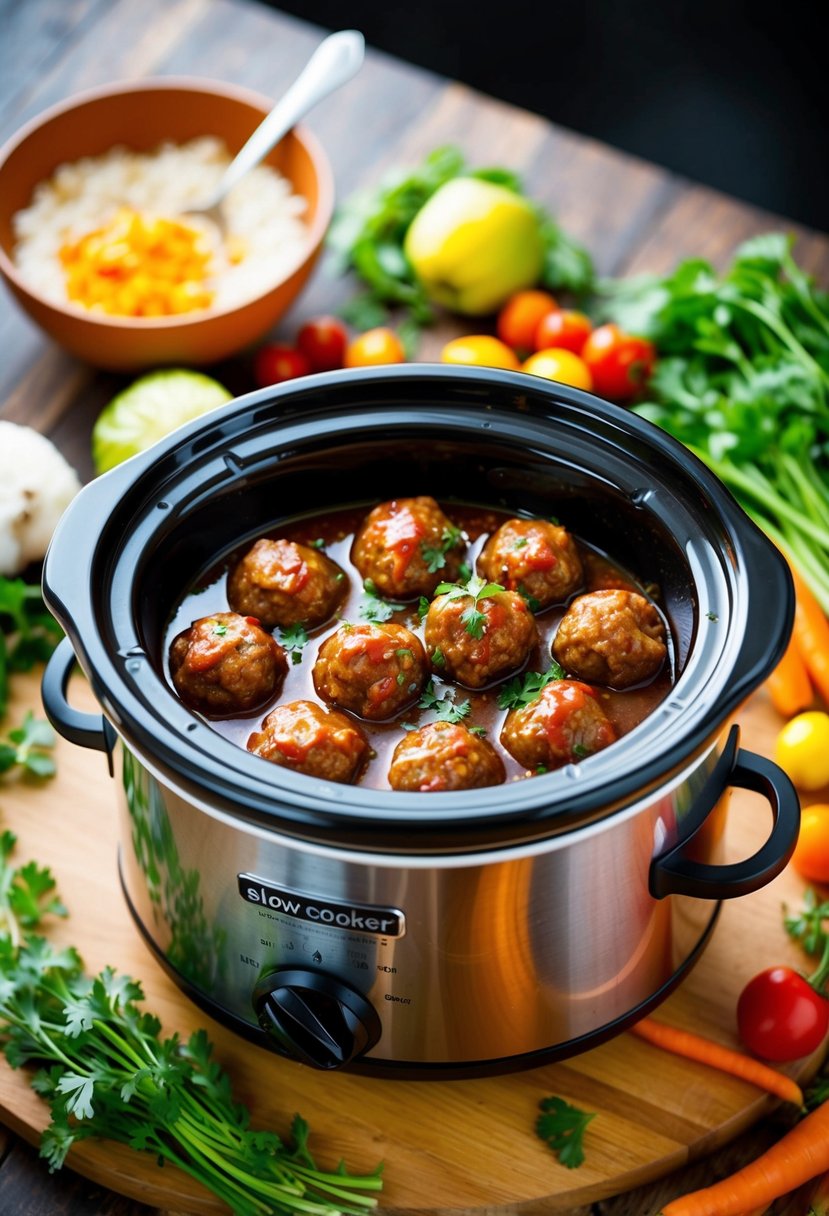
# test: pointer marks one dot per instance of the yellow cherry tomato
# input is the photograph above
(562, 365)
(375, 346)
(811, 856)
(802, 749)
(482, 350)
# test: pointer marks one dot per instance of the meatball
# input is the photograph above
(285, 583)
(373, 670)
(308, 739)
(226, 664)
(535, 557)
(563, 725)
(476, 641)
(407, 547)
(444, 756)
(611, 637)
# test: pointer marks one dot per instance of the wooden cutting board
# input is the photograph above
(448, 1146)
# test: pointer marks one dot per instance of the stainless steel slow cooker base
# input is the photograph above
(415, 1070)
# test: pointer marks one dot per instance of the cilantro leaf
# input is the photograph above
(25, 747)
(523, 689)
(444, 708)
(293, 639)
(562, 1126)
(435, 555)
(28, 632)
(373, 607)
(476, 589)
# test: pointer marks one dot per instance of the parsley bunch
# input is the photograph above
(743, 381)
(28, 632)
(106, 1072)
(476, 589)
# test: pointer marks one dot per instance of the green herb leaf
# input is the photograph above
(562, 1126)
(435, 555)
(444, 708)
(476, 589)
(523, 689)
(28, 632)
(293, 639)
(25, 747)
(373, 607)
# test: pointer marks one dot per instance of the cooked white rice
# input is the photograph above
(82, 196)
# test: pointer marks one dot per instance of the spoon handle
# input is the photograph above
(335, 61)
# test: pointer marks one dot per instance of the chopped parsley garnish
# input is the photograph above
(712, 616)
(443, 709)
(520, 543)
(580, 751)
(373, 607)
(435, 555)
(541, 769)
(524, 689)
(219, 629)
(465, 572)
(476, 589)
(422, 606)
(477, 730)
(293, 639)
(319, 543)
(438, 658)
(561, 1126)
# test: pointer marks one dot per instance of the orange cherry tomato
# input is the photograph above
(519, 318)
(564, 329)
(482, 350)
(375, 346)
(619, 363)
(561, 365)
(811, 855)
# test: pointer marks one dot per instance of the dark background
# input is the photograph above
(732, 94)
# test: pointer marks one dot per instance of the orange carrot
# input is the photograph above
(695, 1047)
(789, 685)
(800, 1155)
(811, 635)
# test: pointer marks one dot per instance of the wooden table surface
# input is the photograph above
(633, 217)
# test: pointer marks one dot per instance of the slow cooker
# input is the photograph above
(408, 933)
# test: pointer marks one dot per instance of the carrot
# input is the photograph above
(800, 1155)
(695, 1047)
(789, 685)
(811, 635)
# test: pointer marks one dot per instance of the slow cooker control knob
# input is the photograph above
(315, 1017)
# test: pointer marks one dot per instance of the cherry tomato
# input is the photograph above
(375, 346)
(561, 365)
(619, 363)
(275, 362)
(564, 329)
(802, 749)
(323, 341)
(780, 1017)
(482, 350)
(811, 855)
(519, 318)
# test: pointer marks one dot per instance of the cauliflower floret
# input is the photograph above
(36, 485)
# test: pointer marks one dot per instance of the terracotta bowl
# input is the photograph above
(141, 115)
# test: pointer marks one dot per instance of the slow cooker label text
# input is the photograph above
(385, 922)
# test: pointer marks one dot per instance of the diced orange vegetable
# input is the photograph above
(140, 266)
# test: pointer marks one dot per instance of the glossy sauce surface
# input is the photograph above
(336, 530)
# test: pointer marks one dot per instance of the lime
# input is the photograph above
(148, 409)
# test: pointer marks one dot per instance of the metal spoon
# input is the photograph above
(336, 60)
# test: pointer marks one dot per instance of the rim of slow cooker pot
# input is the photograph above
(725, 664)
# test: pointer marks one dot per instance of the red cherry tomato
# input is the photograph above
(619, 363)
(323, 341)
(275, 362)
(564, 329)
(780, 1017)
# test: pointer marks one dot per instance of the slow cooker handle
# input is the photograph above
(87, 730)
(676, 874)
